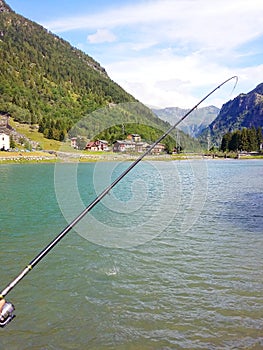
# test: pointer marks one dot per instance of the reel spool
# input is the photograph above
(7, 315)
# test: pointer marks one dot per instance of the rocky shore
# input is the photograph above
(70, 157)
(67, 157)
(22, 157)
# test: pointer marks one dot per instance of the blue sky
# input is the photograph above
(164, 52)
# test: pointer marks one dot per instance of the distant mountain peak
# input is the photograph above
(193, 126)
(258, 89)
(4, 7)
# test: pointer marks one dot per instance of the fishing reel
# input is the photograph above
(7, 315)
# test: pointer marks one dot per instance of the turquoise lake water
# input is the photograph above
(171, 259)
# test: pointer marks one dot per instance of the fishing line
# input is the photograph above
(7, 313)
(234, 87)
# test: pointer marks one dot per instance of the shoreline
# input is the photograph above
(73, 157)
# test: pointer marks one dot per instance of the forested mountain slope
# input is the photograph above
(244, 111)
(43, 75)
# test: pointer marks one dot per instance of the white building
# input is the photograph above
(129, 146)
(4, 142)
(124, 146)
(73, 142)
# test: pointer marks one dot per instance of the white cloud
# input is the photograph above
(169, 52)
(167, 80)
(214, 23)
(101, 36)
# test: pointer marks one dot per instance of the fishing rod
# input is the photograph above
(7, 313)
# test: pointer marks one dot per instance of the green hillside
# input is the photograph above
(41, 75)
(46, 81)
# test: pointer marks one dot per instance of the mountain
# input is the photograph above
(42, 75)
(244, 111)
(195, 124)
(46, 81)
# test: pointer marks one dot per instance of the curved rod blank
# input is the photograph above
(68, 228)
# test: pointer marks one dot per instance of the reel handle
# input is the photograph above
(7, 315)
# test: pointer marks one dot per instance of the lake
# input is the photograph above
(172, 258)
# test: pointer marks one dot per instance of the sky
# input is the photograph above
(166, 53)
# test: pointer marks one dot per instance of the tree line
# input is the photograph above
(55, 129)
(246, 139)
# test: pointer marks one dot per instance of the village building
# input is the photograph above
(133, 143)
(4, 142)
(159, 148)
(134, 137)
(5, 131)
(124, 146)
(98, 145)
(138, 147)
(73, 142)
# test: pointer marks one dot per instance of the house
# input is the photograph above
(129, 146)
(119, 146)
(98, 145)
(73, 142)
(159, 148)
(141, 147)
(4, 142)
(134, 137)
(123, 146)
